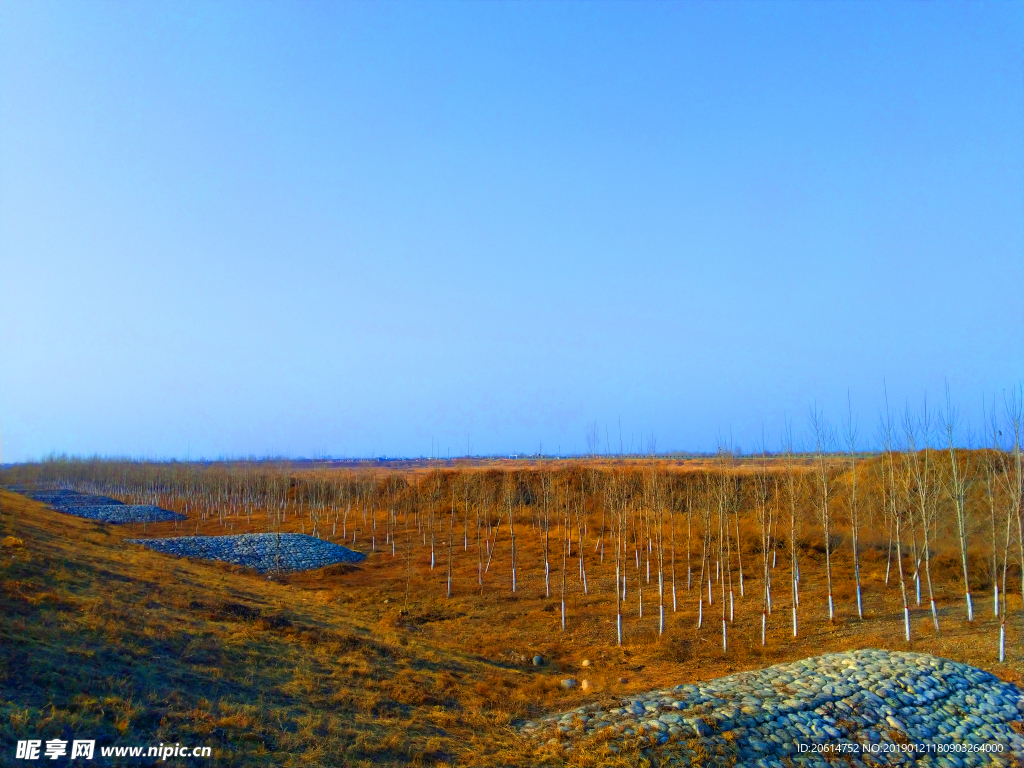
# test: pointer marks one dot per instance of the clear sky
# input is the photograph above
(402, 228)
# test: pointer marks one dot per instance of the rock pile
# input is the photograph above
(65, 498)
(102, 508)
(264, 552)
(864, 707)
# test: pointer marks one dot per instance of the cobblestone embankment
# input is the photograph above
(264, 552)
(873, 707)
(102, 508)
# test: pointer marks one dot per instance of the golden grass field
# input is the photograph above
(107, 640)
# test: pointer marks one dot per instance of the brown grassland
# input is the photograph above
(107, 640)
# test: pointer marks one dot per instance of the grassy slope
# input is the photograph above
(114, 642)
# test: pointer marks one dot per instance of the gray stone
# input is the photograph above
(102, 508)
(764, 714)
(263, 552)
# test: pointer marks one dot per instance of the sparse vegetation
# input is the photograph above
(396, 661)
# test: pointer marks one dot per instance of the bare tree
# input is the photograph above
(660, 544)
(566, 544)
(792, 486)
(919, 477)
(851, 449)
(995, 469)
(764, 518)
(689, 537)
(511, 524)
(739, 543)
(724, 499)
(581, 531)
(480, 543)
(373, 512)
(465, 511)
(1014, 483)
(619, 545)
(434, 488)
(824, 440)
(993, 466)
(451, 537)
(672, 533)
(546, 509)
(893, 509)
(408, 548)
(705, 557)
(957, 482)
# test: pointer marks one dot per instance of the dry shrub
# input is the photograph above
(676, 648)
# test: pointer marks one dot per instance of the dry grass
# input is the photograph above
(115, 642)
(108, 641)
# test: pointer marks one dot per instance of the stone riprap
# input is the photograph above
(873, 707)
(102, 508)
(65, 498)
(265, 552)
(124, 513)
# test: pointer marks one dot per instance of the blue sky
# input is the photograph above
(401, 228)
